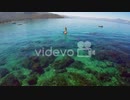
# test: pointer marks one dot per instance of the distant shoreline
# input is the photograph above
(9, 21)
(6, 18)
(123, 21)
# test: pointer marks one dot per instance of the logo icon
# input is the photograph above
(84, 49)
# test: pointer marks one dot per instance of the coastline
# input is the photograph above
(13, 21)
(22, 17)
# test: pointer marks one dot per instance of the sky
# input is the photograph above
(112, 15)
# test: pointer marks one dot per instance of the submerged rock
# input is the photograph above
(34, 59)
(32, 80)
(104, 77)
(101, 55)
(3, 72)
(113, 56)
(10, 80)
(27, 63)
(124, 72)
(63, 63)
(57, 80)
(78, 80)
(45, 61)
(33, 63)
(37, 68)
(37, 64)
(77, 64)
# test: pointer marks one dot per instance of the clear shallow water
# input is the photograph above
(33, 34)
(17, 42)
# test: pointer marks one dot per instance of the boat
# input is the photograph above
(13, 23)
(100, 26)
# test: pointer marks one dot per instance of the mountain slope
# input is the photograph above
(13, 16)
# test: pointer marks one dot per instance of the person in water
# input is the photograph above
(65, 32)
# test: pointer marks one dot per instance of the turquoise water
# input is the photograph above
(33, 34)
(17, 42)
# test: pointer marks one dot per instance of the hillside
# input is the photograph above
(13, 16)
